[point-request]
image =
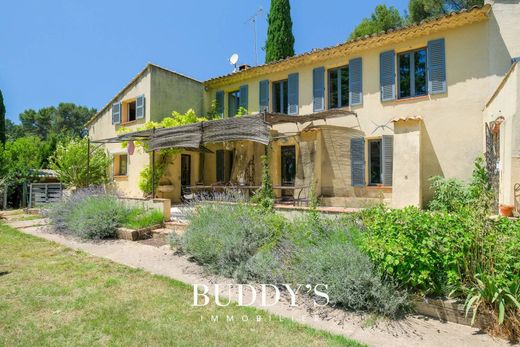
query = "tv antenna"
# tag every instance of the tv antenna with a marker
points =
(252, 19)
(233, 60)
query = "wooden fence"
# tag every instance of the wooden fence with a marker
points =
(44, 193)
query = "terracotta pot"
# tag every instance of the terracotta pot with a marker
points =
(506, 210)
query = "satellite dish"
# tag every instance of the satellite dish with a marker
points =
(233, 60)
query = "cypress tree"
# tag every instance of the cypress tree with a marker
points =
(2, 119)
(280, 39)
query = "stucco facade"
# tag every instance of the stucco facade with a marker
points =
(433, 134)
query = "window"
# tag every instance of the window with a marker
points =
(121, 165)
(280, 97)
(374, 162)
(224, 165)
(412, 74)
(131, 111)
(338, 87)
(233, 103)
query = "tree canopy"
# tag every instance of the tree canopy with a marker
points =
(385, 18)
(66, 119)
(423, 9)
(382, 19)
(280, 39)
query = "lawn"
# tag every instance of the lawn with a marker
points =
(54, 296)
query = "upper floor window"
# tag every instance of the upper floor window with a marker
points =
(412, 74)
(280, 97)
(233, 103)
(339, 87)
(131, 114)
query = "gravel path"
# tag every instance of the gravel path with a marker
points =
(412, 331)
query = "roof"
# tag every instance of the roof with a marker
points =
(132, 82)
(428, 26)
(42, 173)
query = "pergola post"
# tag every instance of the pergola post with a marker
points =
(88, 161)
(153, 169)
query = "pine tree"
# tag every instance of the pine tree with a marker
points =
(280, 39)
(2, 119)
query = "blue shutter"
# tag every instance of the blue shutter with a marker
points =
(116, 113)
(244, 97)
(264, 96)
(318, 89)
(219, 99)
(356, 81)
(388, 159)
(387, 75)
(292, 92)
(139, 107)
(357, 161)
(437, 67)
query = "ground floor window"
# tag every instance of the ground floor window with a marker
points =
(288, 165)
(280, 97)
(374, 162)
(338, 87)
(224, 165)
(121, 165)
(412, 74)
(185, 170)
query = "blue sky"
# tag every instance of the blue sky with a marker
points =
(85, 51)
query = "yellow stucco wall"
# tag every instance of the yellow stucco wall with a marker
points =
(164, 92)
(452, 122)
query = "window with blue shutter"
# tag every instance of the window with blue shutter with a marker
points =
(387, 75)
(264, 96)
(116, 113)
(244, 90)
(219, 99)
(437, 67)
(292, 91)
(139, 107)
(357, 161)
(356, 81)
(412, 73)
(318, 89)
(339, 87)
(388, 159)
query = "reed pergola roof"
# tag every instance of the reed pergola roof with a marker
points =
(255, 128)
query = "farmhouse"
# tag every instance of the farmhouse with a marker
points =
(367, 121)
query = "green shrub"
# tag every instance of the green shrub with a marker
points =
(252, 245)
(96, 217)
(93, 214)
(353, 280)
(449, 195)
(225, 237)
(70, 163)
(137, 218)
(422, 250)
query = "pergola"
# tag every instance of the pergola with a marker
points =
(194, 137)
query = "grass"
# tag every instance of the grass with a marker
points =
(139, 219)
(55, 296)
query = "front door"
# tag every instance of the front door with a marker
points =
(288, 167)
(185, 170)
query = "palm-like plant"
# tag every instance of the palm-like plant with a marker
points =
(488, 290)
